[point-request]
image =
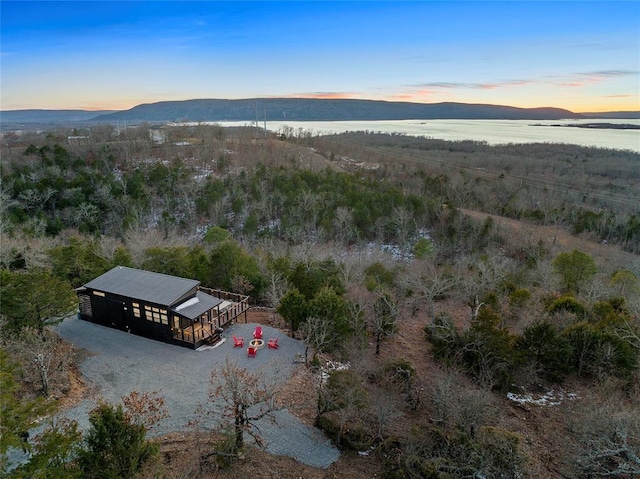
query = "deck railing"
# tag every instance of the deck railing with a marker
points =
(218, 293)
(238, 304)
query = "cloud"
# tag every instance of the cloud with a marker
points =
(447, 91)
(620, 96)
(474, 86)
(421, 95)
(574, 80)
(612, 73)
(580, 79)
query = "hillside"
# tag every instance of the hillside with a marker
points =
(285, 109)
(49, 116)
(297, 109)
(300, 109)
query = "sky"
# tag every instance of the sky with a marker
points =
(579, 55)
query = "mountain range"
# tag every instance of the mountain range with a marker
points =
(299, 109)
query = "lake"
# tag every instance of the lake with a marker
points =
(493, 132)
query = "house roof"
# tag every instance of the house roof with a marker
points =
(192, 309)
(144, 285)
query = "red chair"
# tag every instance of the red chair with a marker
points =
(251, 352)
(257, 334)
(273, 343)
(238, 342)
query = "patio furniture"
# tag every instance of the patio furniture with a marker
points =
(257, 334)
(273, 343)
(251, 352)
(238, 342)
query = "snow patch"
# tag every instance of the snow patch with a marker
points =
(331, 366)
(550, 398)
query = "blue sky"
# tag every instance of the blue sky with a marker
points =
(579, 55)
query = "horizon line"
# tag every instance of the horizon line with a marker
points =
(321, 98)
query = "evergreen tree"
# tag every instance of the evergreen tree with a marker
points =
(114, 447)
(574, 269)
(34, 298)
(17, 415)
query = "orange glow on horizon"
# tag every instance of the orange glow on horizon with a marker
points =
(330, 95)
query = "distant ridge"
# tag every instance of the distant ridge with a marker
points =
(298, 109)
(304, 109)
(619, 115)
(46, 116)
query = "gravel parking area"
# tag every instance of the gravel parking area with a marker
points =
(123, 362)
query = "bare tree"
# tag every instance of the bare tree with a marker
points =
(403, 223)
(383, 317)
(277, 286)
(356, 307)
(318, 334)
(343, 225)
(608, 435)
(246, 398)
(471, 409)
(43, 355)
(480, 276)
(596, 290)
(386, 410)
(430, 282)
(145, 408)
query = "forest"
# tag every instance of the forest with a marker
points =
(456, 279)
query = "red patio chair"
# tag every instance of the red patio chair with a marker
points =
(257, 334)
(251, 352)
(273, 343)
(238, 342)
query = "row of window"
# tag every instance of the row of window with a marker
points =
(157, 315)
(151, 313)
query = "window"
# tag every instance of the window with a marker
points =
(156, 315)
(99, 293)
(136, 312)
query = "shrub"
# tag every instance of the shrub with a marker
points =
(343, 389)
(114, 447)
(377, 275)
(443, 336)
(574, 269)
(596, 352)
(500, 453)
(487, 350)
(543, 347)
(397, 374)
(352, 436)
(224, 449)
(567, 304)
(519, 298)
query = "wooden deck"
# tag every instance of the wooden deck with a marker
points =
(199, 332)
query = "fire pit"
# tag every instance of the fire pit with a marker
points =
(256, 343)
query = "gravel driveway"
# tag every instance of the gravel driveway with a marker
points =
(124, 362)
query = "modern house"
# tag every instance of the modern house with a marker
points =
(158, 306)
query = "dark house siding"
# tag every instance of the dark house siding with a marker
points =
(125, 299)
